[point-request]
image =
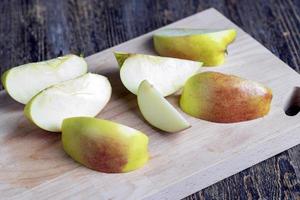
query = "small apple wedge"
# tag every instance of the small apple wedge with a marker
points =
(207, 46)
(25, 81)
(158, 111)
(83, 96)
(167, 74)
(218, 97)
(103, 145)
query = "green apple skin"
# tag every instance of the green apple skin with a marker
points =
(25, 81)
(3, 78)
(86, 95)
(167, 74)
(104, 145)
(207, 46)
(158, 111)
(121, 57)
(222, 98)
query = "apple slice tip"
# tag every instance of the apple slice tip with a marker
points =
(121, 57)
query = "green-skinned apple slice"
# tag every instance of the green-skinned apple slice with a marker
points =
(207, 46)
(25, 81)
(167, 74)
(104, 145)
(158, 111)
(83, 96)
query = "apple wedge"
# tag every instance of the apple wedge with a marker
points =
(223, 98)
(84, 96)
(25, 81)
(207, 46)
(103, 145)
(167, 74)
(158, 111)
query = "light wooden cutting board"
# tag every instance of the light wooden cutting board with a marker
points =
(34, 166)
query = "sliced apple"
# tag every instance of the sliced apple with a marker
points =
(167, 74)
(104, 145)
(218, 97)
(158, 111)
(207, 46)
(25, 81)
(84, 96)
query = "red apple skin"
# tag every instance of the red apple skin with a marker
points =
(104, 145)
(222, 98)
(104, 154)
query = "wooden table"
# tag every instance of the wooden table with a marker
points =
(36, 30)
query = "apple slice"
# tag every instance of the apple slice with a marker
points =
(158, 111)
(25, 81)
(223, 98)
(104, 145)
(167, 74)
(83, 96)
(207, 46)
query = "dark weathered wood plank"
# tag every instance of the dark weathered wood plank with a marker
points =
(33, 30)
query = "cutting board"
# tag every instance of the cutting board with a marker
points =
(34, 166)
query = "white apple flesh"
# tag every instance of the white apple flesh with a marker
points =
(84, 96)
(167, 74)
(25, 81)
(158, 111)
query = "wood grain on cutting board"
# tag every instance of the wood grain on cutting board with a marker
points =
(33, 164)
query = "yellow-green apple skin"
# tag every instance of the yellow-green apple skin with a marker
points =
(167, 74)
(104, 145)
(207, 46)
(158, 111)
(86, 95)
(121, 57)
(25, 81)
(218, 97)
